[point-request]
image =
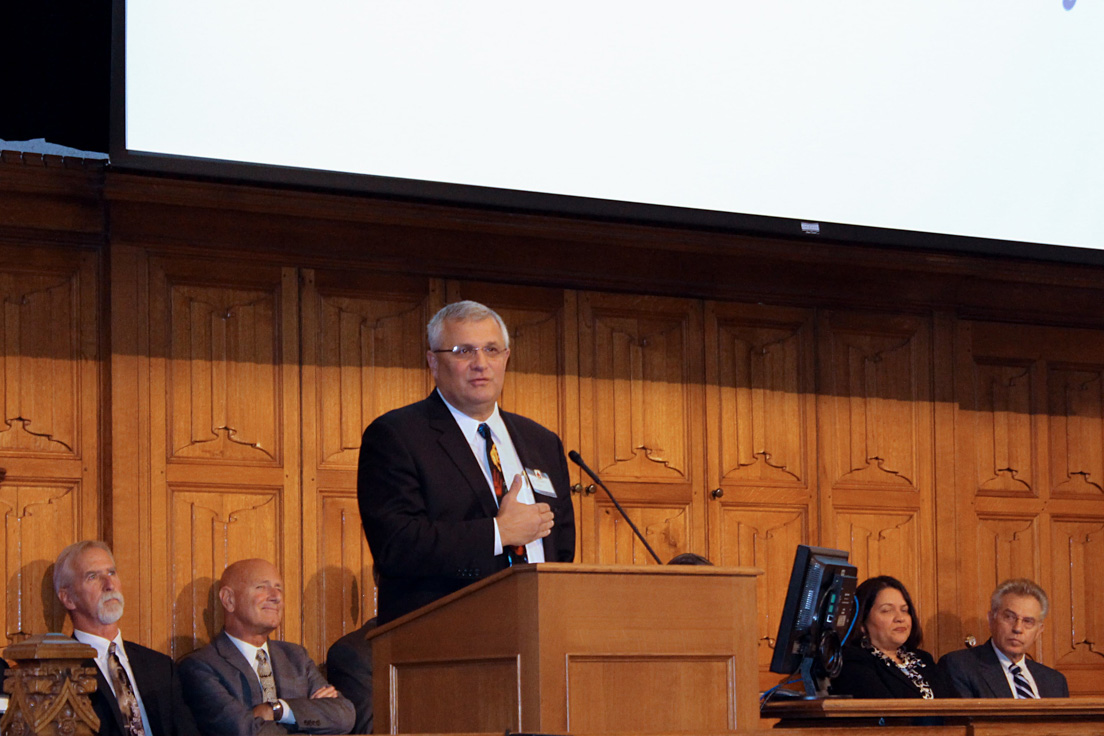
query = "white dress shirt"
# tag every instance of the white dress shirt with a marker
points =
(511, 466)
(101, 645)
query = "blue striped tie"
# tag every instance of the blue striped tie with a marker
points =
(1023, 690)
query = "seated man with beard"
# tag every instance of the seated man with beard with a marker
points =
(137, 692)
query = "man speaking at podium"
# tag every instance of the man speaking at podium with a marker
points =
(452, 489)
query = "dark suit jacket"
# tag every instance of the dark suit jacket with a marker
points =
(977, 673)
(866, 676)
(349, 669)
(222, 689)
(427, 509)
(158, 685)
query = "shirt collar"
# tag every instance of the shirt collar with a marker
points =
(100, 644)
(248, 650)
(1005, 660)
(469, 426)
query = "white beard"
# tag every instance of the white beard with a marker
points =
(109, 615)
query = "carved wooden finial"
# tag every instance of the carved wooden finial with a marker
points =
(48, 688)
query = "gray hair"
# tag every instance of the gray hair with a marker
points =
(1022, 587)
(465, 311)
(63, 566)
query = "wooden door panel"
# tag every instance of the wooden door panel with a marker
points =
(363, 353)
(875, 432)
(763, 536)
(641, 417)
(761, 448)
(668, 529)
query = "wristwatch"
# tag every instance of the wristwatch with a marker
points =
(277, 710)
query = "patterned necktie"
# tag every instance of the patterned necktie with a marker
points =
(124, 694)
(498, 480)
(1023, 690)
(264, 673)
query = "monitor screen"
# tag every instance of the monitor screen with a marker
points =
(816, 617)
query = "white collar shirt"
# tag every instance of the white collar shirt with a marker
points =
(1006, 662)
(511, 466)
(101, 645)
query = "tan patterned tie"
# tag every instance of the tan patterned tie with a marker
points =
(124, 694)
(498, 478)
(264, 672)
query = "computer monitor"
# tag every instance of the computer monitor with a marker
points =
(820, 606)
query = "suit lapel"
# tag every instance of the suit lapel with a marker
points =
(452, 441)
(992, 673)
(281, 670)
(230, 653)
(1042, 679)
(901, 677)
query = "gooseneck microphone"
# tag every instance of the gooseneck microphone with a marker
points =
(575, 458)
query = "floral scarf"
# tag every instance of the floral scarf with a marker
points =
(910, 665)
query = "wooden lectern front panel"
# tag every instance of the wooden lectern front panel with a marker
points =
(474, 696)
(609, 693)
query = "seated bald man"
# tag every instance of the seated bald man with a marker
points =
(245, 683)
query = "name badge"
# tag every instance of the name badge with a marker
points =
(541, 483)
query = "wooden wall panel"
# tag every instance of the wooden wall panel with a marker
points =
(641, 414)
(875, 432)
(221, 369)
(50, 443)
(38, 521)
(245, 360)
(363, 354)
(1032, 506)
(1075, 400)
(210, 527)
(341, 586)
(1076, 597)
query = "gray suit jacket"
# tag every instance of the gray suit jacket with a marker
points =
(977, 673)
(221, 688)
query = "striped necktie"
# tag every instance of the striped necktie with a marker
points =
(498, 481)
(1023, 690)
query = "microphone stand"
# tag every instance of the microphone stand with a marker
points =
(575, 458)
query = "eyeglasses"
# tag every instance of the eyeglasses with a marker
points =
(468, 352)
(1012, 619)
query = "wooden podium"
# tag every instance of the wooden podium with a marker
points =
(559, 648)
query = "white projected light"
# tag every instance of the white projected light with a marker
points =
(978, 119)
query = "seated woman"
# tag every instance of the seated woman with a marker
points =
(882, 658)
